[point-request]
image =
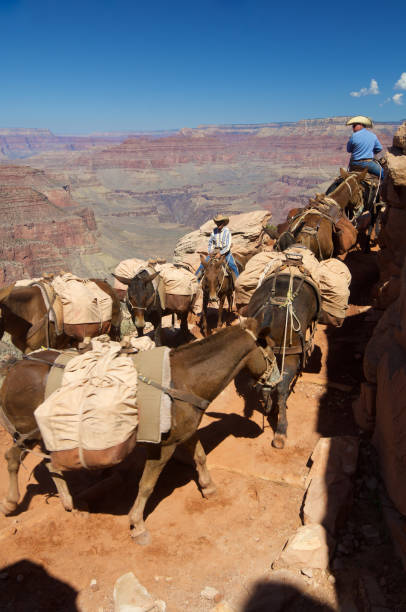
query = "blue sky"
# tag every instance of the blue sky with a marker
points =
(84, 66)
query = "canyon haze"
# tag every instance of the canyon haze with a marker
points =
(86, 202)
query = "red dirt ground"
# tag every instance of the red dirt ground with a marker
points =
(228, 542)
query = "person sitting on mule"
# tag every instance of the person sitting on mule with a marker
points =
(220, 245)
(363, 145)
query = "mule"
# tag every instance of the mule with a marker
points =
(203, 368)
(217, 285)
(144, 304)
(288, 307)
(24, 315)
(315, 226)
(366, 213)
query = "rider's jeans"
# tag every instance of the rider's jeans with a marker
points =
(373, 166)
(230, 262)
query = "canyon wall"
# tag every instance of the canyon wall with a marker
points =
(148, 190)
(42, 228)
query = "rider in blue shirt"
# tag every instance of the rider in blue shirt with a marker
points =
(363, 145)
(220, 241)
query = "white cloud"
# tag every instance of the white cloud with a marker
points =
(401, 83)
(398, 99)
(386, 101)
(372, 90)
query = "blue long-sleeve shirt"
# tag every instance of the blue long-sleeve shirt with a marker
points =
(363, 145)
(220, 239)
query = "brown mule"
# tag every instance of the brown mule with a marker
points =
(23, 314)
(217, 285)
(203, 368)
(323, 226)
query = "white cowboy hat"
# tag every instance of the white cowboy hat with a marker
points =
(219, 218)
(366, 121)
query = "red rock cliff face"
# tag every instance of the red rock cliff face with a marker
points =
(39, 232)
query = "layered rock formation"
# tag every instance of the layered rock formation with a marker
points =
(42, 227)
(148, 191)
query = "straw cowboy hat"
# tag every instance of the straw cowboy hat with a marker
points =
(366, 121)
(219, 218)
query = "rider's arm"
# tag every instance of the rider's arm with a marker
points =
(377, 146)
(349, 145)
(225, 241)
(212, 242)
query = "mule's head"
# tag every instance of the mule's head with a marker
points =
(213, 276)
(354, 182)
(140, 295)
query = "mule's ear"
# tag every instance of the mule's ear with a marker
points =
(151, 277)
(121, 279)
(203, 260)
(343, 173)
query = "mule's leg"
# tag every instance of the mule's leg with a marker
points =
(282, 423)
(158, 334)
(61, 487)
(194, 446)
(150, 475)
(220, 311)
(13, 458)
(203, 320)
(183, 325)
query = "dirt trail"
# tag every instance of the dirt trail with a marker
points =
(228, 542)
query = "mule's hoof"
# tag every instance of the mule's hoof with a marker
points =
(209, 491)
(279, 441)
(143, 538)
(7, 507)
(67, 504)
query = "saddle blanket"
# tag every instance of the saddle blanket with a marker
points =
(94, 404)
(332, 277)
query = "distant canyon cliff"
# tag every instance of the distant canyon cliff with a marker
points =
(86, 202)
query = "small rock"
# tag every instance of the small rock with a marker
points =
(168, 579)
(209, 593)
(331, 579)
(310, 546)
(93, 584)
(20, 578)
(307, 571)
(131, 596)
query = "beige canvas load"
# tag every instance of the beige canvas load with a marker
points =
(128, 268)
(334, 286)
(177, 280)
(82, 300)
(332, 277)
(264, 264)
(95, 408)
